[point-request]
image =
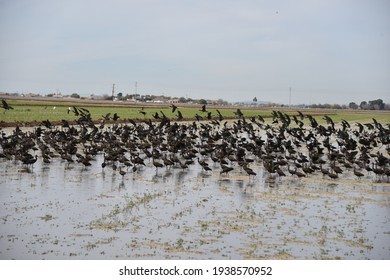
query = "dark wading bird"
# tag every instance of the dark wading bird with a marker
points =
(174, 107)
(115, 117)
(225, 169)
(220, 117)
(142, 111)
(249, 170)
(238, 113)
(333, 150)
(5, 105)
(179, 116)
(157, 164)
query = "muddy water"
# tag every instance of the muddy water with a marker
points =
(62, 211)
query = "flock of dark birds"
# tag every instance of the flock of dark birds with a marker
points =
(288, 145)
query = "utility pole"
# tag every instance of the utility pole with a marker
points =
(289, 99)
(113, 90)
(136, 88)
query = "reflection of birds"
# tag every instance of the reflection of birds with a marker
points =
(5, 105)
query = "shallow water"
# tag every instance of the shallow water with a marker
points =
(62, 211)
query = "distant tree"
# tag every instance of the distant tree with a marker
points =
(353, 105)
(182, 100)
(222, 102)
(255, 99)
(202, 101)
(364, 105)
(336, 106)
(119, 95)
(376, 104)
(75, 95)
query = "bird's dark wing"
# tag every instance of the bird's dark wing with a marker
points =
(5, 105)
(179, 115)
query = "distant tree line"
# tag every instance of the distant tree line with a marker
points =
(327, 106)
(377, 104)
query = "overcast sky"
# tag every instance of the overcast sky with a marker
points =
(330, 51)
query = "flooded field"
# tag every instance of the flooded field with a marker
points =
(63, 211)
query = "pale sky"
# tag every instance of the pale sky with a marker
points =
(330, 51)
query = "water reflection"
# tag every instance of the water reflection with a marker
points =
(307, 218)
(271, 180)
(180, 177)
(240, 184)
(157, 177)
(121, 185)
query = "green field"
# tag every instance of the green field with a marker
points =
(25, 112)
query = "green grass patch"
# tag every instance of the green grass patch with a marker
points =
(28, 111)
